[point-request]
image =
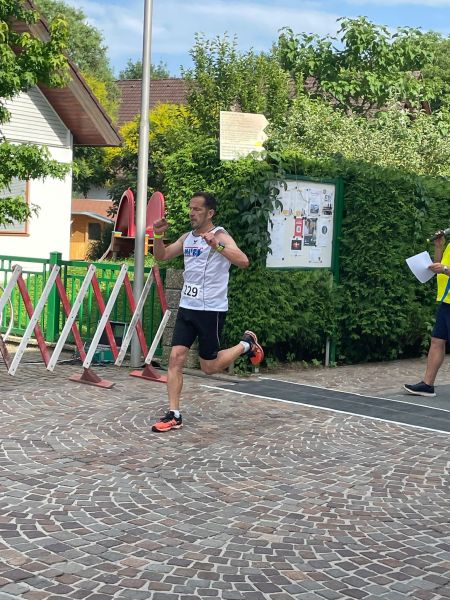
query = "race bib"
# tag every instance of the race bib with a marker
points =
(191, 290)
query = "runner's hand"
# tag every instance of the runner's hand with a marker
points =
(210, 239)
(160, 226)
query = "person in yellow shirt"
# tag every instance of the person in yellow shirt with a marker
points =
(441, 330)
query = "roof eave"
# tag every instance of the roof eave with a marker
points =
(93, 216)
(75, 104)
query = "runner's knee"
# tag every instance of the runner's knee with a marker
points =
(438, 343)
(178, 357)
(208, 366)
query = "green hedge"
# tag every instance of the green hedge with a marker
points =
(378, 310)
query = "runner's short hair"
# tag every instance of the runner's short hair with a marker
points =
(210, 200)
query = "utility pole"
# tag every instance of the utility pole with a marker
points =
(141, 201)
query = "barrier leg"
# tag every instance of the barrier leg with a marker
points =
(4, 299)
(135, 323)
(33, 325)
(88, 377)
(4, 352)
(71, 314)
(148, 371)
(104, 321)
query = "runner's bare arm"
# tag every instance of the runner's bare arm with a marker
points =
(231, 251)
(161, 252)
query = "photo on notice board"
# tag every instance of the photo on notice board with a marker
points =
(310, 232)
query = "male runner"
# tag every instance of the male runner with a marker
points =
(208, 252)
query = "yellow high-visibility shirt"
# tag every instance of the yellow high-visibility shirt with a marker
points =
(444, 280)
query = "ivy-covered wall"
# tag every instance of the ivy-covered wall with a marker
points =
(378, 310)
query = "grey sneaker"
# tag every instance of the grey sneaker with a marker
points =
(420, 389)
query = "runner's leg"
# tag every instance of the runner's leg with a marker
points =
(177, 361)
(224, 359)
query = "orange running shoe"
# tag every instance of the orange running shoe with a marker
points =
(256, 353)
(168, 422)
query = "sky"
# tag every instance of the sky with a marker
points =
(255, 22)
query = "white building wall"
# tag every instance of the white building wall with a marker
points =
(49, 229)
(34, 120)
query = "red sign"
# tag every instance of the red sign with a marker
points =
(298, 227)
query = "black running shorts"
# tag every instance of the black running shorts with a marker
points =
(207, 325)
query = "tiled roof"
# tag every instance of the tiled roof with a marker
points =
(85, 205)
(162, 91)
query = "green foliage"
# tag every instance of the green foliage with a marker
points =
(225, 79)
(381, 311)
(26, 61)
(98, 248)
(438, 71)
(89, 169)
(85, 44)
(106, 92)
(391, 139)
(292, 311)
(394, 169)
(377, 311)
(24, 162)
(171, 125)
(365, 68)
(133, 70)
(87, 50)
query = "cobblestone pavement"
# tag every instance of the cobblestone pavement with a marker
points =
(252, 499)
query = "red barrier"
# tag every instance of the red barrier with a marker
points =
(148, 372)
(88, 376)
(37, 328)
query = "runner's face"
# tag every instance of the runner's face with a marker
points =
(199, 214)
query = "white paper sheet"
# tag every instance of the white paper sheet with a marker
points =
(419, 266)
(315, 255)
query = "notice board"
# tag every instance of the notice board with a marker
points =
(303, 230)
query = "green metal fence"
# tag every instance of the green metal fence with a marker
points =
(35, 272)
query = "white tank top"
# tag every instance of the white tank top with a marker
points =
(206, 274)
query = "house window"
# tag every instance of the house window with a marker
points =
(94, 231)
(17, 188)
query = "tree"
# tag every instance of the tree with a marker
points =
(439, 71)
(133, 70)
(25, 62)
(85, 45)
(365, 68)
(170, 126)
(316, 130)
(223, 78)
(87, 50)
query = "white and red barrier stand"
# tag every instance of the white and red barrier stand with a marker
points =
(88, 376)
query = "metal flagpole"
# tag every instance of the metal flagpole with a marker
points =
(141, 201)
